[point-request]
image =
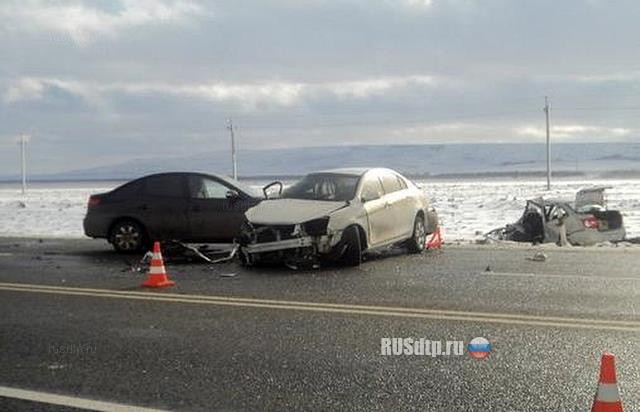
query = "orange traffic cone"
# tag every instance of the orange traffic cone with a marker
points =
(436, 240)
(607, 397)
(157, 276)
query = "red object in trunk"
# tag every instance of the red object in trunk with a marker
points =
(590, 222)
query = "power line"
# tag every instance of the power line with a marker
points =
(379, 121)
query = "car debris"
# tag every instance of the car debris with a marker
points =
(584, 221)
(538, 257)
(174, 250)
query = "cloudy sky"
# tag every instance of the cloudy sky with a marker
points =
(99, 82)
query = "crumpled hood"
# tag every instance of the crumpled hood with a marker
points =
(290, 211)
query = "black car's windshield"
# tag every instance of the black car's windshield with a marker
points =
(324, 186)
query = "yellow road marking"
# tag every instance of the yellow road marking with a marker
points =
(434, 314)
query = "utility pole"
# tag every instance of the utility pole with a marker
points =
(23, 155)
(546, 113)
(233, 150)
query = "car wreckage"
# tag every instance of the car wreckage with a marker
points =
(584, 221)
(337, 215)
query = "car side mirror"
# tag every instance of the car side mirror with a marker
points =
(232, 195)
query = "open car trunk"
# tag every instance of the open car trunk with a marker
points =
(591, 198)
(608, 219)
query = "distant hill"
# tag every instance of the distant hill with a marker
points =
(415, 160)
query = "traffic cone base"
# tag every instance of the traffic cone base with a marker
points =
(157, 276)
(607, 398)
(436, 240)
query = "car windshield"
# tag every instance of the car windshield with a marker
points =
(324, 186)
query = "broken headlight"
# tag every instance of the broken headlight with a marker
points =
(316, 227)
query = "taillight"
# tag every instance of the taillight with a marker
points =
(590, 222)
(93, 201)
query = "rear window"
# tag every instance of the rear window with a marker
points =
(127, 191)
(164, 186)
(391, 183)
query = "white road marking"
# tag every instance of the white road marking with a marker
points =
(548, 275)
(435, 314)
(4, 254)
(70, 401)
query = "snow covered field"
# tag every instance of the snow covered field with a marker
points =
(466, 208)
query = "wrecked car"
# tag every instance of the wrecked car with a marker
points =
(338, 215)
(584, 221)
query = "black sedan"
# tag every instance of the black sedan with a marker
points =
(190, 207)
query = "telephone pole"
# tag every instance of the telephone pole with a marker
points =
(546, 113)
(233, 150)
(23, 155)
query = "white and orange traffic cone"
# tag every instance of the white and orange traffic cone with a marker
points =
(607, 397)
(436, 240)
(157, 276)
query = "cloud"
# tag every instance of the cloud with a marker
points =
(25, 89)
(81, 22)
(573, 131)
(369, 87)
(248, 95)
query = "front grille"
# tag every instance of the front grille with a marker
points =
(273, 233)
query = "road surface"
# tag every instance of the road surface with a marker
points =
(76, 328)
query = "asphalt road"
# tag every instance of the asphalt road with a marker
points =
(76, 323)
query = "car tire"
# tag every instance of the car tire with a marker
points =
(128, 236)
(416, 243)
(352, 244)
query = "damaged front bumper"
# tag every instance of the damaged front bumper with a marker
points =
(285, 243)
(279, 245)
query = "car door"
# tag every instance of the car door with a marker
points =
(379, 214)
(163, 206)
(216, 209)
(402, 210)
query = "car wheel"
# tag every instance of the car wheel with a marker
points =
(416, 243)
(128, 236)
(352, 254)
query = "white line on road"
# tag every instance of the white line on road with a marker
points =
(70, 401)
(548, 275)
(434, 314)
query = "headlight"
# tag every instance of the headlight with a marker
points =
(316, 227)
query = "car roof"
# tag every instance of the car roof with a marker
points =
(229, 180)
(354, 171)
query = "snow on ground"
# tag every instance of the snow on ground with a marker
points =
(467, 209)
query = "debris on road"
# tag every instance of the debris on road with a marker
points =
(228, 275)
(538, 257)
